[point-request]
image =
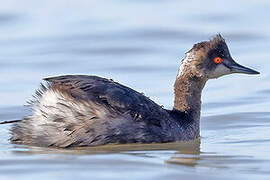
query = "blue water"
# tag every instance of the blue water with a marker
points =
(139, 44)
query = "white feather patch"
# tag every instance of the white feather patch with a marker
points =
(186, 62)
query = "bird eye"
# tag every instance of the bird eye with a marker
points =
(217, 60)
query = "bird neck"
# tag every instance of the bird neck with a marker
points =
(187, 90)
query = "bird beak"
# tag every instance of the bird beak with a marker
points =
(237, 68)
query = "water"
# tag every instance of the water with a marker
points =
(140, 44)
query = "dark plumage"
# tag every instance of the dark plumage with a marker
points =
(80, 110)
(115, 114)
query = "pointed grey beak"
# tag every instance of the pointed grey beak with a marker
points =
(237, 68)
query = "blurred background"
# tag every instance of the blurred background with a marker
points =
(140, 44)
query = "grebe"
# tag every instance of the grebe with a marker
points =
(80, 110)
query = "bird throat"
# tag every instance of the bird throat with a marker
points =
(187, 90)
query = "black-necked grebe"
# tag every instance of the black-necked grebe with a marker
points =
(80, 110)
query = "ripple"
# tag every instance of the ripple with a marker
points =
(215, 18)
(165, 34)
(236, 120)
(244, 36)
(9, 18)
(137, 69)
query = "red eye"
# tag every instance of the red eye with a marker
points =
(218, 60)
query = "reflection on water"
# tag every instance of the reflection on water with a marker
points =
(139, 44)
(184, 147)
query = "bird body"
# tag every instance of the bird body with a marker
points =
(81, 110)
